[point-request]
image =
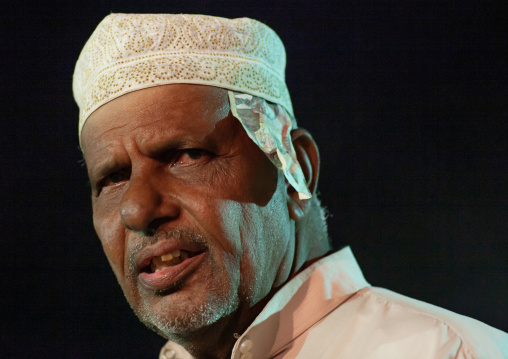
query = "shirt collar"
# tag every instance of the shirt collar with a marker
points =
(302, 302)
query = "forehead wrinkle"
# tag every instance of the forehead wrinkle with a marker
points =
(94, 159)
(156, 135)
(140, 109)
(144, 120)
(105, 164)
(152, 138)
(119, 135)
(100, 154)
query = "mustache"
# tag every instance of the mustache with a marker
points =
(188, 236)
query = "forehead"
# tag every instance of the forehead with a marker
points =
(177, 110)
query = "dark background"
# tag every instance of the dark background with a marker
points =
(408, 101)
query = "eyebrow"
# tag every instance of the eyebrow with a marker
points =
(103, 167)
(157, 144)
(161, 146)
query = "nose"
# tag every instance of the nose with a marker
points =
(144, 206)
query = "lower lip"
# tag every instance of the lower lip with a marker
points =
(166, 277)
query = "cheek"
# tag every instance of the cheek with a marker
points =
(111, 234)
(230, 218)
(268, 246)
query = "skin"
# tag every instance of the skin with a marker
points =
(150, 185)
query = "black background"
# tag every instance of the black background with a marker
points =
(407, 100)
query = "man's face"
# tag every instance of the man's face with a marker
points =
(174, 174)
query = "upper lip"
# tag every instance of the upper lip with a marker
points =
(163, 246)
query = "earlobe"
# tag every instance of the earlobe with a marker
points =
(307, 154)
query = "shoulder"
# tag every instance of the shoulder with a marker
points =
(376, 323)
(391, 323)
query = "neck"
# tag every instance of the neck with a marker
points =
(308, 253)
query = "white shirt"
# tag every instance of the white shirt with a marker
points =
(329, 311)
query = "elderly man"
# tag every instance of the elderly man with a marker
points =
(204, 199)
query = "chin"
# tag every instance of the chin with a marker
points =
(181, 317)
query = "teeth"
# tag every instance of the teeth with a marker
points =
(169, 256)
(167, 260)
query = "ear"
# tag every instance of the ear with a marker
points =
(307, 154)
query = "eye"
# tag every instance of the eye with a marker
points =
(116, 177)
(112, 179)
(189, 156)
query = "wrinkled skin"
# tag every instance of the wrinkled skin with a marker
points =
(227, 197)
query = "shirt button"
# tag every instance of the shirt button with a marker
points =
(245, 348)
(169, 354)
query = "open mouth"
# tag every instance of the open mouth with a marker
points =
(168, 260)
(165, 265)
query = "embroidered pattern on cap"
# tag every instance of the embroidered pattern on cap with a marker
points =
(128, 52)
